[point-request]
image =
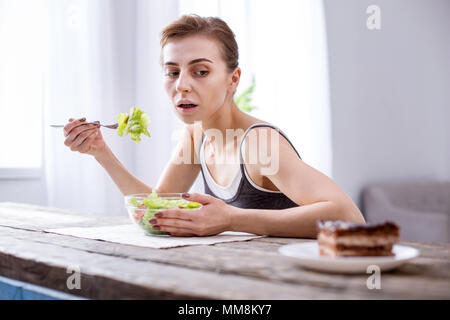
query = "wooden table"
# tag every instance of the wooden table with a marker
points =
(239, 270)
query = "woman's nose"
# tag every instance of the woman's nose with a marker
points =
(183, 84)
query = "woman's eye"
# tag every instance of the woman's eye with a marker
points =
(172, 74)
(202, 73)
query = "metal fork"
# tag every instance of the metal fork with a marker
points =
(109, 126)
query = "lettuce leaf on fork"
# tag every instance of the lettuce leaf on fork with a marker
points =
(135, 124)
(122, 120)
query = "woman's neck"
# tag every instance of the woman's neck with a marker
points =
(229, 116)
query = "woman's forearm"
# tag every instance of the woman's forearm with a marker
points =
(296, 222)
(125, 181)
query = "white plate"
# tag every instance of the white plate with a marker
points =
(307, 254)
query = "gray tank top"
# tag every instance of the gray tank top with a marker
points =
(242, 192)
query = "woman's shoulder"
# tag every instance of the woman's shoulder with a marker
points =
(262, 129)
(265, 137)
(262, 126)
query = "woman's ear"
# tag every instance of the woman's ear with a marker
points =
(235, 78)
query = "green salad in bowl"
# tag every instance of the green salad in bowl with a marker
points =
(142, 207)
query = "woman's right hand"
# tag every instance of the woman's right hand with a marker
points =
(84, 138)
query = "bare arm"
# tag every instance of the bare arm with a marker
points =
(318, 197)
(124, 180)
(88, 139)
(183, 168)
(296, 222)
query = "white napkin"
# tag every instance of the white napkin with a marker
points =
(132, 235)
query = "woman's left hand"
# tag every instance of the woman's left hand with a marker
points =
(212, 218)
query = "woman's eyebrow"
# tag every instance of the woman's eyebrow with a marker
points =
(169, 63)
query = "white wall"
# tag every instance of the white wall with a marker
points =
(390, 101)
(26, 190)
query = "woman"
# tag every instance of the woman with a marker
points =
(277, 195)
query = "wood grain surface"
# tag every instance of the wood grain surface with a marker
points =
(239, 270)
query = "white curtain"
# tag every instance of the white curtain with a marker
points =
(289, 57)
(103, 59)
(283, 44)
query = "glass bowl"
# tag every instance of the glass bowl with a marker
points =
(142, 207)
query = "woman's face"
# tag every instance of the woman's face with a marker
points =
(196, 77)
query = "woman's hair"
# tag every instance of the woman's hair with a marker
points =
(214, 28)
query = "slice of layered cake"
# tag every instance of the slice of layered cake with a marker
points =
(341, 238)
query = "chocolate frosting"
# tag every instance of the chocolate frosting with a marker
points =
(338, 225)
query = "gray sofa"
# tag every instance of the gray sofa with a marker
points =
(421, 209)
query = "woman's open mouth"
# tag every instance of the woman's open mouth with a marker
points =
(187, 107)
